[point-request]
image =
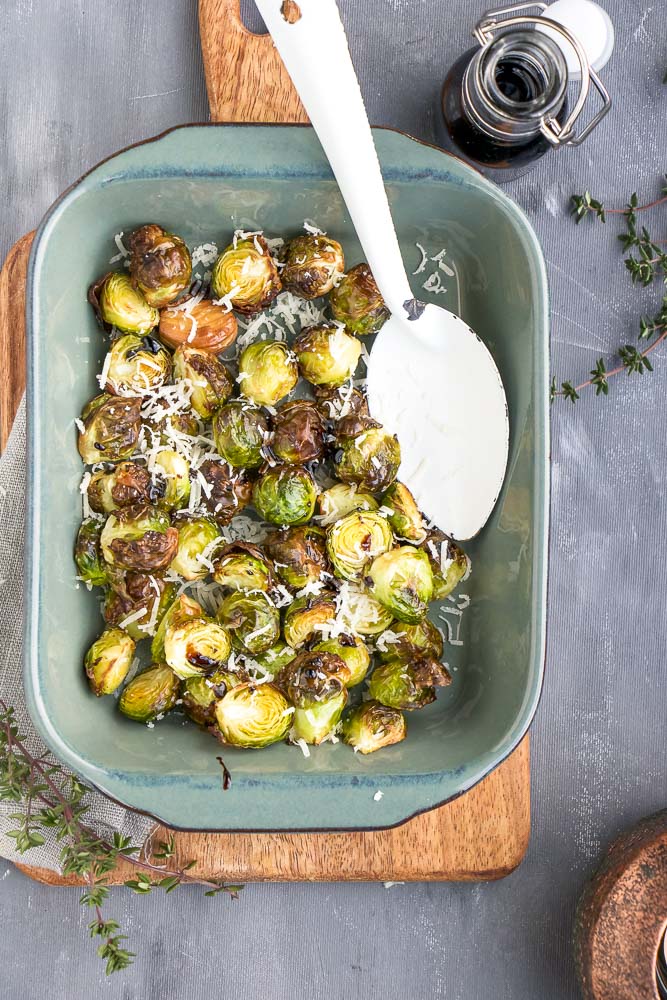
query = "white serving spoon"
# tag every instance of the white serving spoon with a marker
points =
(431, 380)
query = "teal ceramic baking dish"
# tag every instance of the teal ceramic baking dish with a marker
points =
(202, 182)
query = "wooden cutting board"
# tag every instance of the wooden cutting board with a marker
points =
(481, 835)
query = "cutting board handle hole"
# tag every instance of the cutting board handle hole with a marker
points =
(251, 18)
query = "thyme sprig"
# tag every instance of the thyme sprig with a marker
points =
(646, 262)
(51, 799)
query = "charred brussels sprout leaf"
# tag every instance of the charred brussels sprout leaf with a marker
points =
(298, 433)
(200, 694)
(152, 693)
(403, 513)
(242, 566)
(195, 646)
(136, 365)
(406, 686)
(371, 726)
(119, 304)
(252, 620)
(313, 265)
(371, 459)
(210, 380)
(352, 651)
(136, 592)
(409, 642)
(285, 495)
(173, 474)
(402, 581)
(246, 276)
(355, 540)
(125, 484)
(178, 610)
(356, 302)
(240, 431)
(327, 355)
(342, 499)
(228, 491)
(160, 264)
(267, 372)
(298, 555)
(139, 538)
(449, 563)
(197, 538)
(108, 661)
(111, 428)
(88, 554)
(203, 325)
(306, 617)
(315, 684)
(253, 715)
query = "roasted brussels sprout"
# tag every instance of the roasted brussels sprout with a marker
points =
(172, 471)
(371, 459)
(253, 716)
(313, 265)
(133, 596)
(298, 555)
(240, 431)
(197, 538)
(119, 304)
(267, 372)
(150, 694)
(211, 382)
(274, 659)
(403, 513)
(315, 684)
(342, 499)
(402, 581)
(177, 611)
(245, 275)
(160, 264)
(356, 302)
(172, 427)
(201, 693)
(360, 613)
(305, 618)
(352, 651)
(252, 620)
(203, 325)
(356, 539)
(298, 433)
(88, 554)
(111, 428)
(108, 661)
(337, 402)
(406, 686)
(408, 642)
(195, 646)
(227, 492)
(327, 355)
(136, 365)
(371, 726)
(139, 538)
(123, 485)
(241, 566)
(285, 495)
(449, 563)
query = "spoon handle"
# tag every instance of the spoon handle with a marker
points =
(315, 52)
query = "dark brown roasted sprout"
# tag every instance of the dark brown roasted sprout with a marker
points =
(134, 594)
(371, 726)
(253, 716)
(449, 563)
(402, 581)
(119, 305)
(139, 538)
(336, 402)
(285, 495)
(299, 555)
(315, 684)
(371, 459)
(252, 619)
(313, 265)
(327, 355)
(211, 382)
(267, 372)
(121, 486)
(203, 325)
(306, 617)
(241, 566)
(352, 651)
(356, 302)
(408, 685)
(228, 490)
(111, 428)
(408, 642)
(200, 694)
(88, 554)
(160, 264)
(150, 694)
(245, 275)
(403, 513)
(240, 431)
(136, 365)
(298, 433)
(108, 661)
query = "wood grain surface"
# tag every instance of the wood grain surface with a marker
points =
(481, 835)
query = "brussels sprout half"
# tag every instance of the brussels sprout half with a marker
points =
(327, 355)
(172, 472)
(111, 428)
(306, 617)
(88, 554)
(356, 301)
(108, 661)
(211, 382)
(197, 539)
(242, 566)
(136, 365)
(245, 275)
(407, 685)
(352, 651)
(200, 694)
(119, 304)
(285, 495)
(253, 621)
(240, 431)
(204, 325)
(160, 264)
(341, 499)
(313, 265)
(402, 581)
(267, 372)
(403, 513)
(130, 593)
(253, 715)
(298, 555)
(449, 563)
(298, 433)
(315, 684)
(139, 538)
(407, 642)
(355, 540)
(196, 646)
(371, 459)
(227, 491)
(151, 693)
(360, 613)
(371, 726)
(180, 609)
(123, 485)
(273, 660)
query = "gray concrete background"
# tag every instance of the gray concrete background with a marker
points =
(80, 78)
